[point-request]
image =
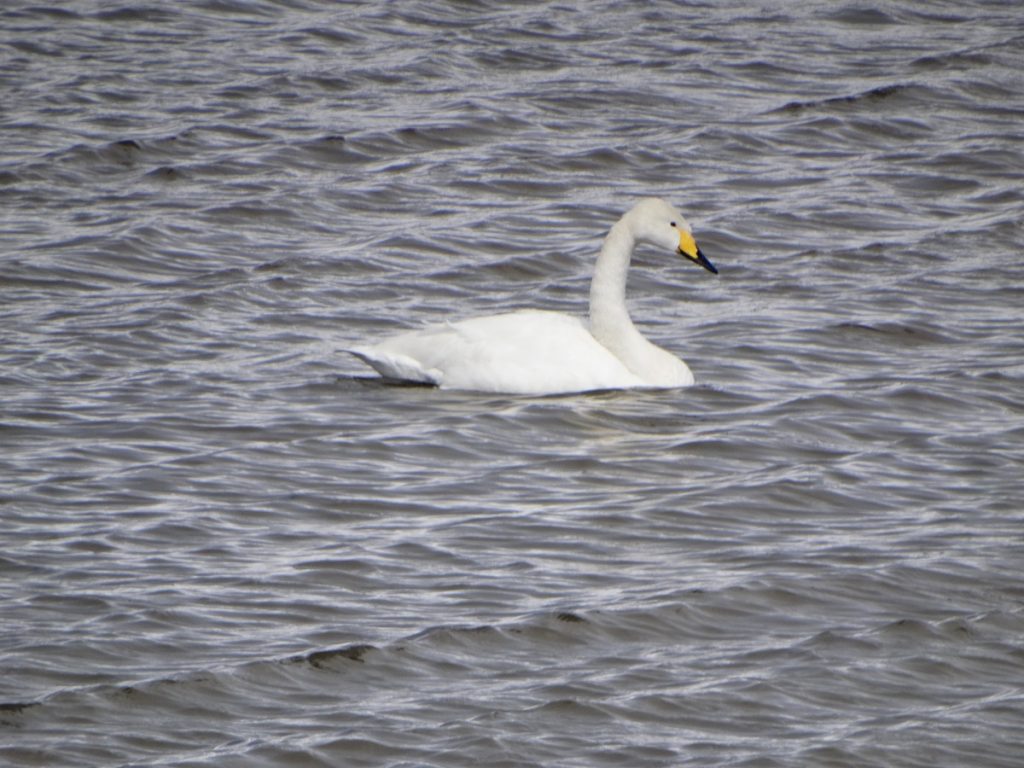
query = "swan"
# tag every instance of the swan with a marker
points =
(533, 352)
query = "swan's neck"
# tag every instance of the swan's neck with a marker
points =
(611, 325)
(609, 318)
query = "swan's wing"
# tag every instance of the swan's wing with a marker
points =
(533, 352)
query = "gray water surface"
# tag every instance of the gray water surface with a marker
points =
(224, 542)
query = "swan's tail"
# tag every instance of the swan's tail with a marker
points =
(396, 367)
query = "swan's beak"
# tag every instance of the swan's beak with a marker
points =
(688, 248)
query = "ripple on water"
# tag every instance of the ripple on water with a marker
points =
(229, 544)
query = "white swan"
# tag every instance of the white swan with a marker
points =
(532, 352)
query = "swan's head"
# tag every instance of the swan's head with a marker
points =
(656, 222)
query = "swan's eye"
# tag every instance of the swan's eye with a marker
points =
(673, 223)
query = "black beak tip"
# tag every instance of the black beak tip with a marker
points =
(702, 260)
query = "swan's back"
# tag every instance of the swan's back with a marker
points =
(529, 352)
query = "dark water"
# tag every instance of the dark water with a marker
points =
(222, 543)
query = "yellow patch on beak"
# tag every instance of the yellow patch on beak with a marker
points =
(687, 245)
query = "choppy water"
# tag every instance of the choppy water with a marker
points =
(225, 544)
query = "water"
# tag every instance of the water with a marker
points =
(224, 543)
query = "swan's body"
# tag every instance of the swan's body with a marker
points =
(538, 353)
